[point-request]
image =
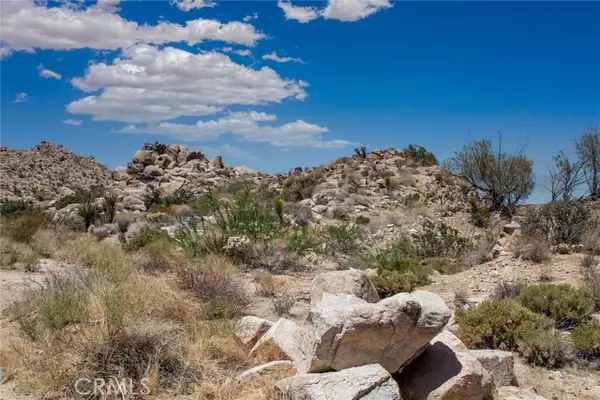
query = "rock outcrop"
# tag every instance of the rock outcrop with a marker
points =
(250, 329)
(351, 281)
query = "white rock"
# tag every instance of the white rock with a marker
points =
(319, 209)
(445, 371)
(153, 170)
(511, 228)
(369, 382)
(350, 332)
(352, 281)
(279, 369)
(250, 328)
(500, 365)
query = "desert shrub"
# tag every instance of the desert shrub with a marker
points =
(180, 196)
(586, 340)
(360, 153)
(441, 241)
(151, 197)
(480, 251)
(345, 238)
(503, 179)
(109, 206)
(480, 215)
(298, 187)
(397, 274)
(14, 254)
(494, 324)
(300, 214)
(508, 290)
(160, 255)
(532, 248)
(411, 200)
(541, 347)
(145, 236)
(266, 285)
(21, 228)
(566, 305)
(10, 208)
(278, 207)
(461, 298)
(88, 212)
(420, 155)
(558, 221)
(591, 278)
(283, 304)
(60, 301)
(302, 241)
(213, 281)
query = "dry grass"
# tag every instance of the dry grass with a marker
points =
(532, 249)
(283, 303)
(591, 277)
(266, 285)
(15, 255)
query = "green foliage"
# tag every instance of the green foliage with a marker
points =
(441, 241)
(151, 197)
(302, 242)
(22, 227)
(586, 340)
(345, 238)
(480, 215)
(12, 208)
(505, 179)
(563, 303)
(88, 212)
(420, 155)
(558, 221)
(495, 324)
(81, 195)
(298, 187)
(145, 236)
(400, 275)
(541, 347)
(110, 206)
(360, 153)
(180, 196)
(278, 205)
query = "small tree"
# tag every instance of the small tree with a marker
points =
(505, 179)
(588, 150)
(360, 152)
(565, 177)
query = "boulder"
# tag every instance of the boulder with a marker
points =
(163, 161)
(153, 170)
(368, 382)
(168, 188)
(511, 228)
(249, 329)
(351, 332)
(143, 156)
(445, 371)
(352, 281)
(285, 340)
(278, 369)
(133, 203)
(319, 208)
(515, 393)
(217, 162)
(500, 365)
(562, 248)
(120, 174)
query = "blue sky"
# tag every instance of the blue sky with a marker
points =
(104, 78)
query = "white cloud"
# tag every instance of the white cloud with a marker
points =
(27, 25)
(353, 10)
(108, 5)
(239, 52)
(74, 122)
(150, 85)
(341, 10)
(228, 152)
(245, 125)
(188, 5)
(21, 98)
(47, 74)
(249, 18)
(274, 57)
(300, 14)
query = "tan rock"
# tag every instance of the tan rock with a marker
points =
(217, 162)
(352, 281)
(562, 248)
(250, 328)
(279, 369)
(445, 371)
(515, 393)
(500, 365)
(368, 382)
(350, 332)
(143, 156)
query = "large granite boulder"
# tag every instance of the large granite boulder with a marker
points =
(352, 281)
(250, 329)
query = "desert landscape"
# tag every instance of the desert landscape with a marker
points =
(381, 275)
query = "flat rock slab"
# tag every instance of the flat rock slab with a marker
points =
(500, 365)
(369, 382)
(250, 329)
(352, 281)
(350, 332)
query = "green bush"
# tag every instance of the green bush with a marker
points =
(88, 212)
(302, 242)
(22, 227)
(494, 324)
(345, 238)
(558, 221)
(586, 340)
(360, 153)
(151, 197)
(441, 241)
(298, 187)
(420, 155)
(145, 236)
(9, 208)
(400, 275)
(565, 304)
(541, 347)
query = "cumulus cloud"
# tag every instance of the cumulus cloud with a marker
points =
(188, 5)
(148, 84)
(246, 126)
(27, 25)
(353, 10)
(341, 10)
(21, 98)
(47, 74)
(251, 17)
(108, 5)
(300, 14)
(274, 57)
(239, 52)
(229, 152)
(73, 122)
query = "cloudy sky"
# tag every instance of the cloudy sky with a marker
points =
(278, 84)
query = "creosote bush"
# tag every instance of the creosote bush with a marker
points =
(558, 221)
(586, 340)
(542, 347)
(564, 304)
(532, 248)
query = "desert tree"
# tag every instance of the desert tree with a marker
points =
(504, 179)
(566, 176)
(588, 151)
(360, 152)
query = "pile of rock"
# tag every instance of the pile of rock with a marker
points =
(355, 346)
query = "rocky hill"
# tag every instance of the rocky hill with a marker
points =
(46, 171)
